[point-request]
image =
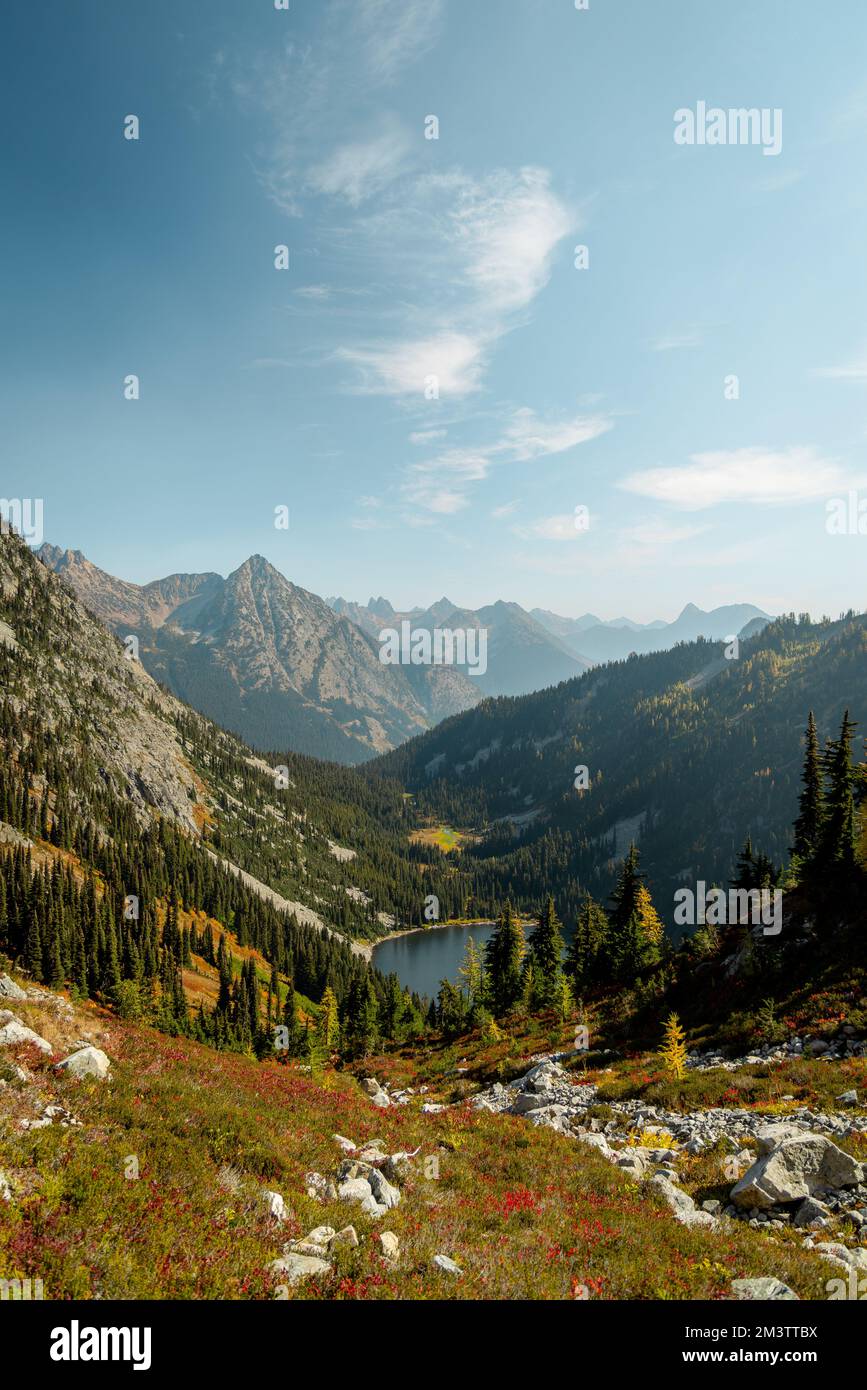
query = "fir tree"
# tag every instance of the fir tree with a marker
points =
(503, 955)
(545, 947)
(808, 826)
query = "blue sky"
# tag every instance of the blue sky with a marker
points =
(410, 258)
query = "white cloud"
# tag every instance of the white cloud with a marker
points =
(508, 509)
(660, 533)
(473, 254)
(855, 371)
(528, 437)
(673, 341)
(753, 475)
(394, 33)
(426, 436)
(524, 438)
(405, 368)
(551, 528)
(361, 169)
(508, 226)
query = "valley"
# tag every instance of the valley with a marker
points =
(222, 964)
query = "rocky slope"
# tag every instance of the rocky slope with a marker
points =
(267, 659)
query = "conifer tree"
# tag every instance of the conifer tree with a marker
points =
(837, 848)
(586, 955)
(503, 955)
(33, 948)
(808, 826)
(545, 947)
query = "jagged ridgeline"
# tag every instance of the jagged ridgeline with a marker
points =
(134, 835)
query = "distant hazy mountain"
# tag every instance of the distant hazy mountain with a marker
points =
(269, 660)
(597, 641)
(523, 654)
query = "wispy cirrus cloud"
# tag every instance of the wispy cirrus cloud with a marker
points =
(442, 483)
(852, 371)
(672, 342)
(752, 475)
(362, 169)
(560, 527)
(474, 254)
(395, 33)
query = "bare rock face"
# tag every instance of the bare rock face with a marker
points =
(793, 1169)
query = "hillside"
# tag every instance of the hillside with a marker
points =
(687, 753)
(189, 1174)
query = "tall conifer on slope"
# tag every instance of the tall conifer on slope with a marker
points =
(837, 846)
(585, 957)
(808, 826)
(545, 947)
(636, 933)
(503, 955)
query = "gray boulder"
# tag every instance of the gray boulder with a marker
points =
(354, 1190)
(9, 989)
(811, 1215)
(447, 1266)
(89, 1061)
(682, 1206)
(793, 1170)
(293, 1268)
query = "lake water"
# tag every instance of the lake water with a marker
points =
(422, 959)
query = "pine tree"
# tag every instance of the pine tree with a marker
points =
(635, 931)
(33, 948)
(808, 826)
(837, 848)
(503, 955)
(545, 946)
(586, 956)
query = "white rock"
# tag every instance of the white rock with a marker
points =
(15, 1033)
(9, 989)
(681, 1204)
(345, 1144)
(447, 1266)
(293, 1268)
(354, 1190)
(89, 1061)
(793, 1170)
(347, 1239)
(390, 1246)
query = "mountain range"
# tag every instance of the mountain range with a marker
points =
(285, 669)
